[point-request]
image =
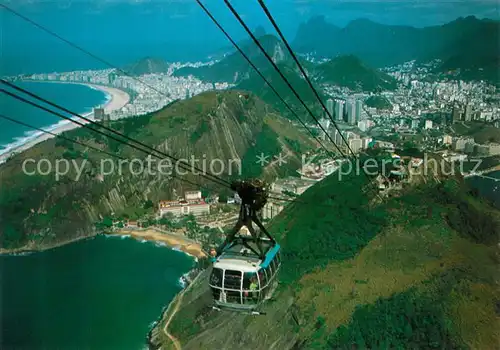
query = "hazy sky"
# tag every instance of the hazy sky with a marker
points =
(123, 30)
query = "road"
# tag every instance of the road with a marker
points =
(174, 340)
(480, 173)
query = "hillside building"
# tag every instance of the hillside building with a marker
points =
(459, 143)
(192, 203)
(291, 184)
(279, 189)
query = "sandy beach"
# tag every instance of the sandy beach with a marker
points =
(175, 241)
(118, 99)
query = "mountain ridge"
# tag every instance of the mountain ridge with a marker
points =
(383, 45)
(146, 65)
(349, 71)
(234, 68)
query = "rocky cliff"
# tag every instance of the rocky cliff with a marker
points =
(40, 210)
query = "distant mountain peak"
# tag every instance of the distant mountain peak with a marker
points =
(351, 72)
(362, 21)
(147, 65)
(259, 31)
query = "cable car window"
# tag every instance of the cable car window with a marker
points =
(269, 274)
(271, 267)
(274, 263)
(232, 279)
(216, 277)
(263, 278)
(247, 279)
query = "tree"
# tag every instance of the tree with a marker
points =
(148, 204)
(11, 236)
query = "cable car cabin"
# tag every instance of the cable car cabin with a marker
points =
(242, 281)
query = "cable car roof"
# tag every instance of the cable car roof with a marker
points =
(238, 264)
(270, 255)
(238, 257)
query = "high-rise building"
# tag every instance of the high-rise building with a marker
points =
(459, 143)
(105, 119)
(329, 107)
(351, 111)
(359, 108)
(470, 147)
(444, 119)
(355, 144)
(111, 78)
(337, 137)
(339, 110)
(325, 123)
(468, 113)
(456, 114)
(99, 113)
(414, 123)
(428, 124)
(362, 125)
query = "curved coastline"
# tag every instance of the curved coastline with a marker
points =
(175, 242)
(116, 99)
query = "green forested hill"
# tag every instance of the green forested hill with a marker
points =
(418, 271)
(456, 44)
(349, 71)
(148, 65)
(257, 85)
(39, 211)
(379, 102)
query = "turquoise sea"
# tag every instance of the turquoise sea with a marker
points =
(78, 98)
(102, 293)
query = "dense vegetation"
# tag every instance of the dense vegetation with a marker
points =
(350, 72)
(405, 320)
(407, 273)
(481, 132)
(337, 228)
(266, 144)
(379, 102)
(255, 84)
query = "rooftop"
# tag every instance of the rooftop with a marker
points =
(293, 181)
(181, 203)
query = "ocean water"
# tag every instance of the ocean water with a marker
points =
(103, 293)
(77, 98)
(488, 188)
